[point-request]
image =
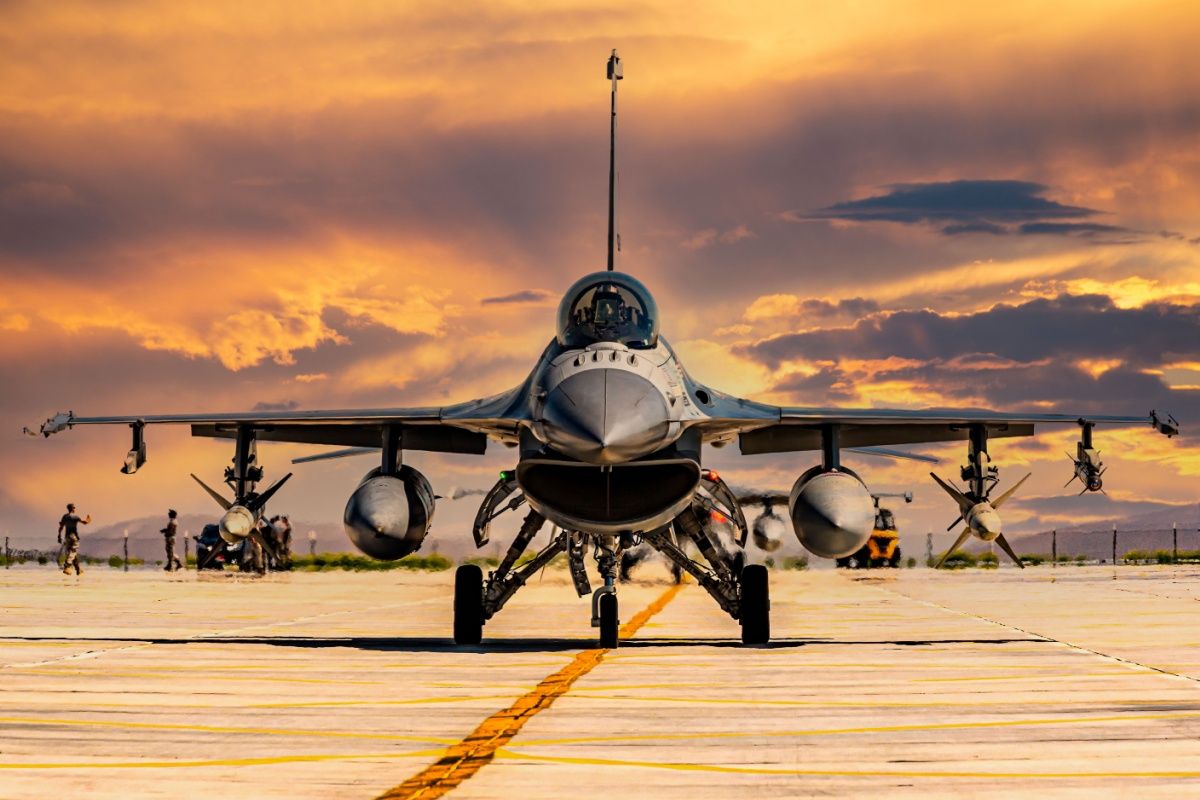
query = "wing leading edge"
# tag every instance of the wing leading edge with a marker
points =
(460, 428)
(800, 429)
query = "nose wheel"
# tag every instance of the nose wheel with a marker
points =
(755, 612)
(468, 604)
(609, 621)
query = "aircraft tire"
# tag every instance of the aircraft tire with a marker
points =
(468, 604)
(609, 621)
(756, 605)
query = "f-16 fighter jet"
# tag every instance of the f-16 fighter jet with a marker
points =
(608, 435)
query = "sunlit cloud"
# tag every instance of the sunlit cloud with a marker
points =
(218, 206)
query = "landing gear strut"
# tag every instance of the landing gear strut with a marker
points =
(742, 591)
(609, 550)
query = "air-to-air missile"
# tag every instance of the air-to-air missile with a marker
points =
(981, 518)
(1088, 466)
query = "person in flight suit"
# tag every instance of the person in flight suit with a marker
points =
(68, 535)
(169, 533)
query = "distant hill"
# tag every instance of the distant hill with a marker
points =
(1149, 531)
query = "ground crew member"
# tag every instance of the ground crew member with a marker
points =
(169, 540)
(281, 527)
(68, 535)
(285, 543)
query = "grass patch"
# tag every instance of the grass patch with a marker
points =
(485, 562)
(350, 562)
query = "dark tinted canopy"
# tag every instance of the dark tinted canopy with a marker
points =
(608, 307)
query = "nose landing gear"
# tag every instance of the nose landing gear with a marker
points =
(742, 591)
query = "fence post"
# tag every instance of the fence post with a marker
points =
(7, 554)
(928, 548)
(312, 543)
(127, 550)
(1114, 554)
(1054, 547)
(1174, 541)
(186, 535)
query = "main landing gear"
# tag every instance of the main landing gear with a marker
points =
(742, 591)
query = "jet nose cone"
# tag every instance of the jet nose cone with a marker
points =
(606, 416)
(985, 522)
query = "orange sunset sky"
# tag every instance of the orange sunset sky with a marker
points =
(378, 204)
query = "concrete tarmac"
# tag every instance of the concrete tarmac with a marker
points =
(1071, 682)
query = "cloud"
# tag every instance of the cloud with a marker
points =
(523, 296)
(993, 207)
(283, 405)
(967, 206)
(1088, 326)
(790, 305)
(198, 209)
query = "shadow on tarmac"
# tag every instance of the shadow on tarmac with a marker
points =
(432, 645)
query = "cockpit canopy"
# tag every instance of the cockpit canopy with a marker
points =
(608, 307)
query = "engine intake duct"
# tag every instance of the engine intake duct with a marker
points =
(637, 495)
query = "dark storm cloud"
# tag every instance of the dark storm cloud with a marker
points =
(961, 202)
(1024, 357)
(851, 306)
(996, 207)
(523, 296)
(1083, 326)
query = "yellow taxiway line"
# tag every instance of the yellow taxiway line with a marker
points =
(463, 760)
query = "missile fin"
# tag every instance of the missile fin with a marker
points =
(213, 493)
(1004, 545)
(963, 501)
(1000, 500)
(962, 537)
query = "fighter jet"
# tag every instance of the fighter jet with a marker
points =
(608, 434)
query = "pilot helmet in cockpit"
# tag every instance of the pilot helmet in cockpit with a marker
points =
(608, 307)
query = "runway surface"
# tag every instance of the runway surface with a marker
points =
(1076, 681)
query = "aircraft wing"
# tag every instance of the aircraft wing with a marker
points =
(460, 428)
(799, 428)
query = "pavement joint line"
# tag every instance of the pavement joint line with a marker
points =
(1127, 662)
(172, 726)
(866, 729)
(839, 773)
(215, 762)
(199, 637)
(752, 702)
(463, 760)
(406, 702)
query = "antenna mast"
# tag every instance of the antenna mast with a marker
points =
(615, 73)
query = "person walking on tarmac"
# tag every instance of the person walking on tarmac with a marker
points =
(169, 534)
(68, 535)
(283, 535)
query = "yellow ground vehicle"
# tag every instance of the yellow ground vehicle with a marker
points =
(883, 548)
